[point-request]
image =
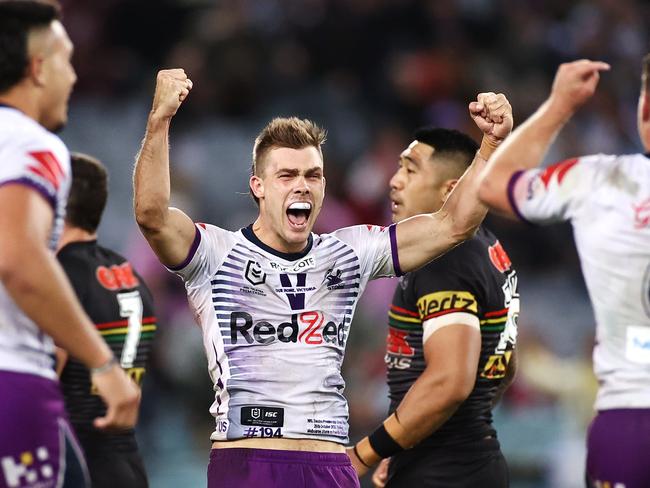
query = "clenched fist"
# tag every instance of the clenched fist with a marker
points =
(576, 82)
(172, 88)
(492, 114)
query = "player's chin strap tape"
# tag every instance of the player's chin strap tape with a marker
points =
(383, 444)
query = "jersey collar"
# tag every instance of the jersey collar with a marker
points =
(291, 256)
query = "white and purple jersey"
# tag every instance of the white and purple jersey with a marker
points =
(34, 157)
(275, 326)
(607, 200)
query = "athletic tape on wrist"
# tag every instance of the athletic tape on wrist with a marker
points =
(383, 444)
(104, 367)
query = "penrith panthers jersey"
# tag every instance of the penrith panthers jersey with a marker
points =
(275, 326)
(117, 300)
(607, 200)
(473, 284)
(33, 157)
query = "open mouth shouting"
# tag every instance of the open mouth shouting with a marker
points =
(298, 214)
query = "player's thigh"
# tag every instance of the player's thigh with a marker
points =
(230, 468)
(467, 470)
(37, 447)
(111, 469)
(618, 444)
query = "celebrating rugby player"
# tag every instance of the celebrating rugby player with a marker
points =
(275, 301)
(607, 200)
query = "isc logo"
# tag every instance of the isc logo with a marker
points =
(306, 327)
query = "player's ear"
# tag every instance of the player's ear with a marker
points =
(645, 106)
(448, 186)
(34, 70)
(257, 186)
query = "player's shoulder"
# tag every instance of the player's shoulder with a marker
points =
(110, 255)
(606, 169)
(20, 133)
(75, 257)
(355, 233)
(215, 230)
(467, 255)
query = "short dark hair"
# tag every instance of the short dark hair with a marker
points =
(290, 132)
(88, 192)
(450, 144)
(17, 19)
(645, 74)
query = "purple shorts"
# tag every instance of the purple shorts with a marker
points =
(618, 449)
(241, 467)
(37, 447)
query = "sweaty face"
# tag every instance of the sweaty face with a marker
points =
(57, 75)
(290, 190)
(416, 187)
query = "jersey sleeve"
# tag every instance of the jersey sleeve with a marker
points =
(38, 160)
(376, 247)
(206, 254)
(554, 193)
(449, 290)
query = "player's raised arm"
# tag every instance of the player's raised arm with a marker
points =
(424, 237)
(574, 84)
(169, 231)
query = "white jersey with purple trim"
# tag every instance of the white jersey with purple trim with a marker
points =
(607, 200)
(34, 157)
(275, 326)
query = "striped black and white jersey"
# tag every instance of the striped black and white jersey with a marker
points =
(275, 326)
(607, 200)
(33, 157)
(120, 305)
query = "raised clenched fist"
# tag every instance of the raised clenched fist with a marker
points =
(172, 88)
(492, 114)
(576, 82)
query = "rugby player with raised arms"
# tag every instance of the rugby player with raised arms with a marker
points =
(607, 200)
(275, 301)
(37, 304)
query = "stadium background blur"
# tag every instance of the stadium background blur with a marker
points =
(370, 71)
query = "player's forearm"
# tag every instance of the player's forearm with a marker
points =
(428, 404)
(524, 149)
(151, 180)
(37, 284)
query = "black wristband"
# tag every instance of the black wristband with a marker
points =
(383, 444)
(356, 453)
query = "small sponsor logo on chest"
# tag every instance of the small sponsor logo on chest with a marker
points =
(302, 265)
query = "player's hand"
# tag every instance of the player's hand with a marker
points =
(358, 466)
(492, 114)
(172, 88)
(576, 82)
(380, 475)
(122, 398)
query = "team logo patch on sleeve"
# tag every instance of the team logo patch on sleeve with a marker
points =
(443, 302)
